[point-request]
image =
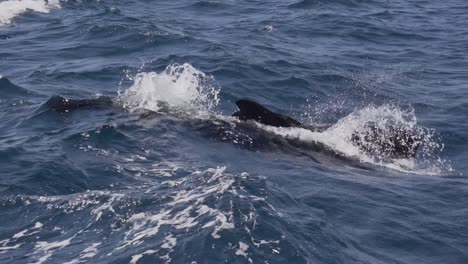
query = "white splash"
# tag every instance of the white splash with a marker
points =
(12, 8)
(178, 86)
(269, 28)
(338, 138)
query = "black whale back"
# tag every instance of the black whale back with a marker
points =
(62, 104)
(251, 110)
(395, 142)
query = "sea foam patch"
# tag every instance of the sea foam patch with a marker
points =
(149, 220)
(12, 8)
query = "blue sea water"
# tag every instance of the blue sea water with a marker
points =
(187, 183)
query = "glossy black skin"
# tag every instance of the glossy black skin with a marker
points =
(393, 142)
(62, 104)
(251, 110)
(396, 142)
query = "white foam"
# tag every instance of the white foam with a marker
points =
(195, 203)
(169, 243)
(9, 248)
(242, 251)
(265, 242)
(184, 213)
(48, 248)
(74, 261)
(135, 258)
(107, 206)
(184, 87)
(12, 8)
(179, 86)
(23, 233)
(90, 251)
(338, 138)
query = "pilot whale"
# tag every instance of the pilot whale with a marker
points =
(394, 141)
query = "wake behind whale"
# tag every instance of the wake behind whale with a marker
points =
(378, 135)
(394, 142)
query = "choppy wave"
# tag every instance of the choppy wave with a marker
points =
(189, 183)
(12, 8)
(181, 87)
(200, 204)
(9, 89)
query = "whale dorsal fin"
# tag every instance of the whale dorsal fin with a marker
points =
(251, 110)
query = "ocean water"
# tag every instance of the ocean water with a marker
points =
(166, 175)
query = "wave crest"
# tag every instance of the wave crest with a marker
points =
(13, 8)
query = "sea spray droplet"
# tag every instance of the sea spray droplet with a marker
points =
(178, 86)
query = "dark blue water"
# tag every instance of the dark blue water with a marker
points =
(186, 183)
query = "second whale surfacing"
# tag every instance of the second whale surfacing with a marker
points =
(394, 141)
